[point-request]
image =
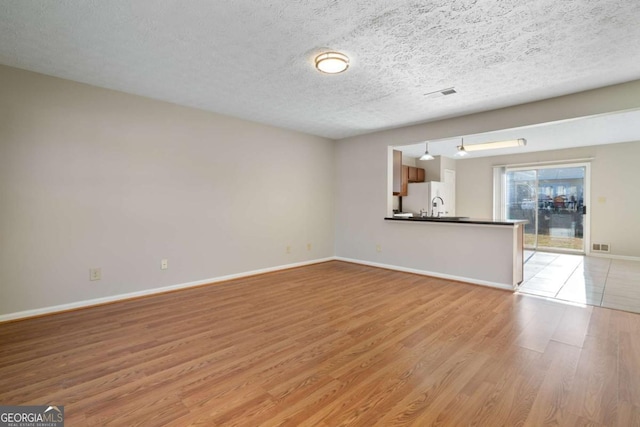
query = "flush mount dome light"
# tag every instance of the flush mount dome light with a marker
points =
(332, 62)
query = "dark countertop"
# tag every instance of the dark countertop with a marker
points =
(459, 220)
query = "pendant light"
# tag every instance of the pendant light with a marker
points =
(461, 151)
(426, 155)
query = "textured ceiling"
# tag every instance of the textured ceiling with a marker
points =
(254, 59)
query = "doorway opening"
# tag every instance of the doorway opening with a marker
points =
(554, 200)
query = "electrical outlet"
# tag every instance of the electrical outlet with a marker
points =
(164, 264)
(95, 274)
(288, 249)
(378, 248)
(308, 246)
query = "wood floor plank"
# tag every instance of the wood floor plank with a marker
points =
(536, 335)
(326, 345)
(550, 406)
(595, 394)
(629, 375)
(573, 326)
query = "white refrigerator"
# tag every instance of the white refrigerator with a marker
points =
(420, 196)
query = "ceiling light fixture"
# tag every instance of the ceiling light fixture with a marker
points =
(520, 142)
(461, 151)
(332, 62)
(426, 155)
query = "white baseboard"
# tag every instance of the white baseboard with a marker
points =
(147, 292)
(622, 257)
(429, 273)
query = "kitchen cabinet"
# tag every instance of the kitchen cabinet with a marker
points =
(405, 181)
(409, 174)
(399, 182)
(413, 174)
(403, 175)
(416, 174)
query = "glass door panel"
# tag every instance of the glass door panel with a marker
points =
(560, 217)
(521, 201)
(552, 200)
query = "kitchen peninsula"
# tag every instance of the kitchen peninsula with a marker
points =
(479, 251)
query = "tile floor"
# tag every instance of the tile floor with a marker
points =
(581, 279)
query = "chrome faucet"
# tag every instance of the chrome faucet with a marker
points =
(434, 205)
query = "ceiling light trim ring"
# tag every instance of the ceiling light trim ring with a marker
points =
(332, 62)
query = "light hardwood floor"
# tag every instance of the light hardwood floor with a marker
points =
(329, 344)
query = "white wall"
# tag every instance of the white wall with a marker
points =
(615, 206)
(361, 170)
(96, 178)
(434, 169)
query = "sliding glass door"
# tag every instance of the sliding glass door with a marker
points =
(553, 199)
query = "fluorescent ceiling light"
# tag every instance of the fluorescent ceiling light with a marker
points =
(520, 142)
(332, 62)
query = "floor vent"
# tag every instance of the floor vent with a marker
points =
(600, 247)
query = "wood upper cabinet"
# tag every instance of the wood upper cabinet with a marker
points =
(413, 174)
(397, 173)
(402, 181)
(405, 181)
(403, 175)
(416, 174)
